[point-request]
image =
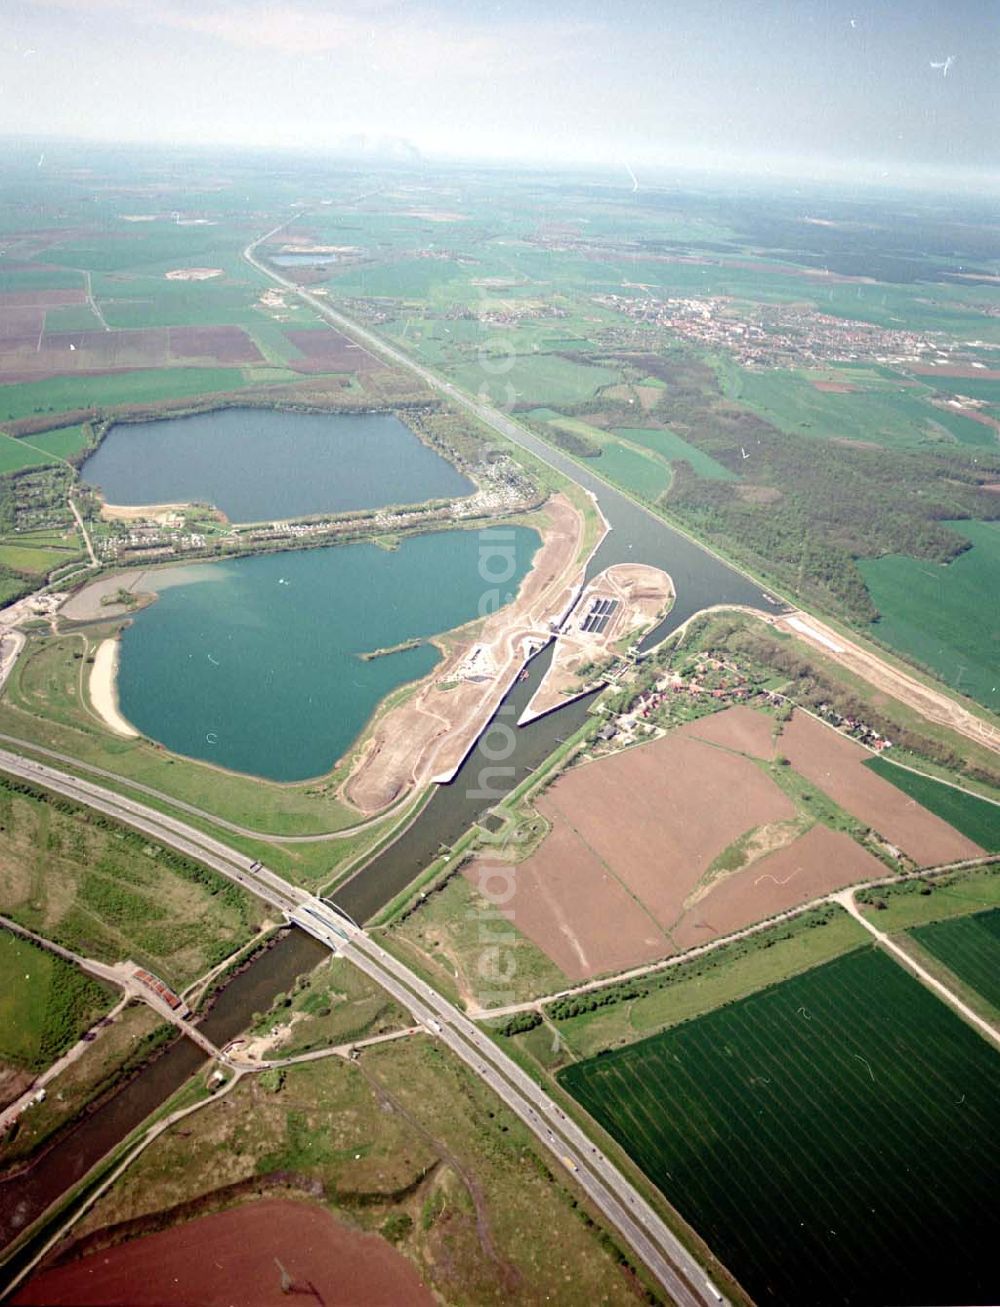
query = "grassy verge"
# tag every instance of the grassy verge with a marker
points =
(121, 1046)
(46, 1003)
(624, 1012)
(467, 946)
(915, 902)
(107, 892)
(408, 1143)
(333, 1004)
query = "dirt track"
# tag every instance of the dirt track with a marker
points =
(621, 879)
(932, 704)
(427, 737)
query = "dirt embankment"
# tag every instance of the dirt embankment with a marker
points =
(426, 738)
(930, 703)
(621, 603)
(243, 1255)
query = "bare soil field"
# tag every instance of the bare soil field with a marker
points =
(228, 1259)
(20, 325)
(426, 737)
(834, 763)
(326, 350)
(818, 862)
(578, 913)
(224, 345)
(659, 814)
(833, 387)
(45, 299)
(192, 274)
(626, 874)
(738, 728)
(954, 370)
(27, 355)
(640, 594)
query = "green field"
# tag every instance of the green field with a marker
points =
(61, 443)
(46, 1003)
(897, 419)
(639, 474)
(24, 558)
(915, 902)
(632, 1010)
(673, 448)
(14, 454)
(968, 946)
(975, 817)
(109, 894)
(537, 379)
(65, 394)
(835, 1138)
(938, 616)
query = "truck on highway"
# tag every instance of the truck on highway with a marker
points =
(568, 1161)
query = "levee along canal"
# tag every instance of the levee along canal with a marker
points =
(701, 580)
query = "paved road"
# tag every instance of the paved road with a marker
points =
(625, 1209)
(628, 1213)
(160, 827)
(347, 832)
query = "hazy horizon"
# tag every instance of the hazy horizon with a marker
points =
(787, 87)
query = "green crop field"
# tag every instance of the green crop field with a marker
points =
(968, 946)
(62, 443)
(897, 418)
(835, 1138)
(638, 473)
(46, 1003)
(15, 455)
(975, 817)
(64, 394)
(935, 614)
(538, 379)
(24, 558)
(673, 448)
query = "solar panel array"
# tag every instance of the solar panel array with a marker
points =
(599, 616)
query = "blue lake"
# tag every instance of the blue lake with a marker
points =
(253, 663)
(262, 464)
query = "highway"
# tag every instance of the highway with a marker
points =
(623, 1207)
(668, 1259)
(162, 828)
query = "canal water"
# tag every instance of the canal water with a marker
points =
(255, 663)
(500, 760)
(261, 465)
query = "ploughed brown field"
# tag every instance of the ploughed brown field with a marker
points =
(228, 1260)
(24, 353)
(326, 350)
(45, 299)
(626, 874)
(834, 764)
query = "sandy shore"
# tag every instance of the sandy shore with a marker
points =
(103, 689)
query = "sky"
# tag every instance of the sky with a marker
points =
(820, 86)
